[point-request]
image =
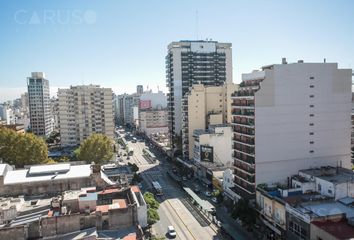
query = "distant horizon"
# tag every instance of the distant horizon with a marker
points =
(124, 44)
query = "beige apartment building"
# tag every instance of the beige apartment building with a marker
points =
(153, 121)
(84, 110)
(203, 106)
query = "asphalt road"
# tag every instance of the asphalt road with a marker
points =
(174, 207)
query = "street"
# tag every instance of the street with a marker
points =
(175, 208)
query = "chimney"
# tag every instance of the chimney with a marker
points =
(283, 61)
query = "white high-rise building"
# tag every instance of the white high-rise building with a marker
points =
(191, 62)
(39, 104)
(84, 110)
(288, 117)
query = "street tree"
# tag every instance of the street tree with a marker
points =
(152, 216)
(97, 148)
(22, 149)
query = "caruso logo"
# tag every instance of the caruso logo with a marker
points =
(55, 17)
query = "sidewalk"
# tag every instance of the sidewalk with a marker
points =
(230, 225)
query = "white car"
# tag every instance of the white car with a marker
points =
(207, 193)
(171, 231)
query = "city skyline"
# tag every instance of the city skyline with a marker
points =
(77, 45)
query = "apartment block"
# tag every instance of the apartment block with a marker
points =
(84, 110)
(39, 104)
(153, 121)
(288, 117)
(191, 62)
(203, 106)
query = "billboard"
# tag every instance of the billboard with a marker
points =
(206, 153)
(145, 104)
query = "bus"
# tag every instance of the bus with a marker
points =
(157, 188)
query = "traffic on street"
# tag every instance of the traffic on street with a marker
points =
(180, 215)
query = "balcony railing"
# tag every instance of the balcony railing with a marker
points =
(243, 121)
(243, 112)
(244, 130)
(243, 157)
(243, 140)
(244, 167)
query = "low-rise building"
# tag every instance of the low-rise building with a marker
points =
(91, 211)
(153, 121)
(302, 208)
(48, 179)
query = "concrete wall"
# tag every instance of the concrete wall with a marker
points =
(18, 233)
(34, 188)
(282, 113)
(51, 226)
(221, 143)
(122, 217)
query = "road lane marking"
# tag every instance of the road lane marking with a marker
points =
(181, 219)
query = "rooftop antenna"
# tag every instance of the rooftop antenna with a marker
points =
(196, 24)
(158, 89)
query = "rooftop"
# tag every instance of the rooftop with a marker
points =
(339, 230)
(46, 173)
(323, 209)
(331, 174)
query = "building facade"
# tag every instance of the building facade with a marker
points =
(84, 110)
(289, 117)
(153, 121)
(203, 106)
(39, 104)
(191, 62)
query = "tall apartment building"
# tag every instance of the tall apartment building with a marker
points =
(39, 104)
(84, 110)
(191, 62)
(288, 117)
(203, 106)
(130, 109)
(139, 89)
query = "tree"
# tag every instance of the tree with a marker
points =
(136, 178)
(244, 212)
(151, 201)
(22, 149)
(133, 167)
(152, 216)
(97, 148)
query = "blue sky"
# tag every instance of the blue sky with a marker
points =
(120, 44)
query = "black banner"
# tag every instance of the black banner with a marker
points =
(206, 154)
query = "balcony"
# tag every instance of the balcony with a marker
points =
(243, 94)
(244, 167)
(249, 178)
(239, 156)
(244, 131)
(243, 140)
(244, 122)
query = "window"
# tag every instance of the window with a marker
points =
(312, 115)
(312, 142)
(312, 96)
(311, 151)
(312, 86)
(312, 78)
(311, 124)
(311, 106)
(311, 133)
(329, 191)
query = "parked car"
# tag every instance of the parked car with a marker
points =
(214, 200)
(171, 231)
(207, 193)
(184, 178)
